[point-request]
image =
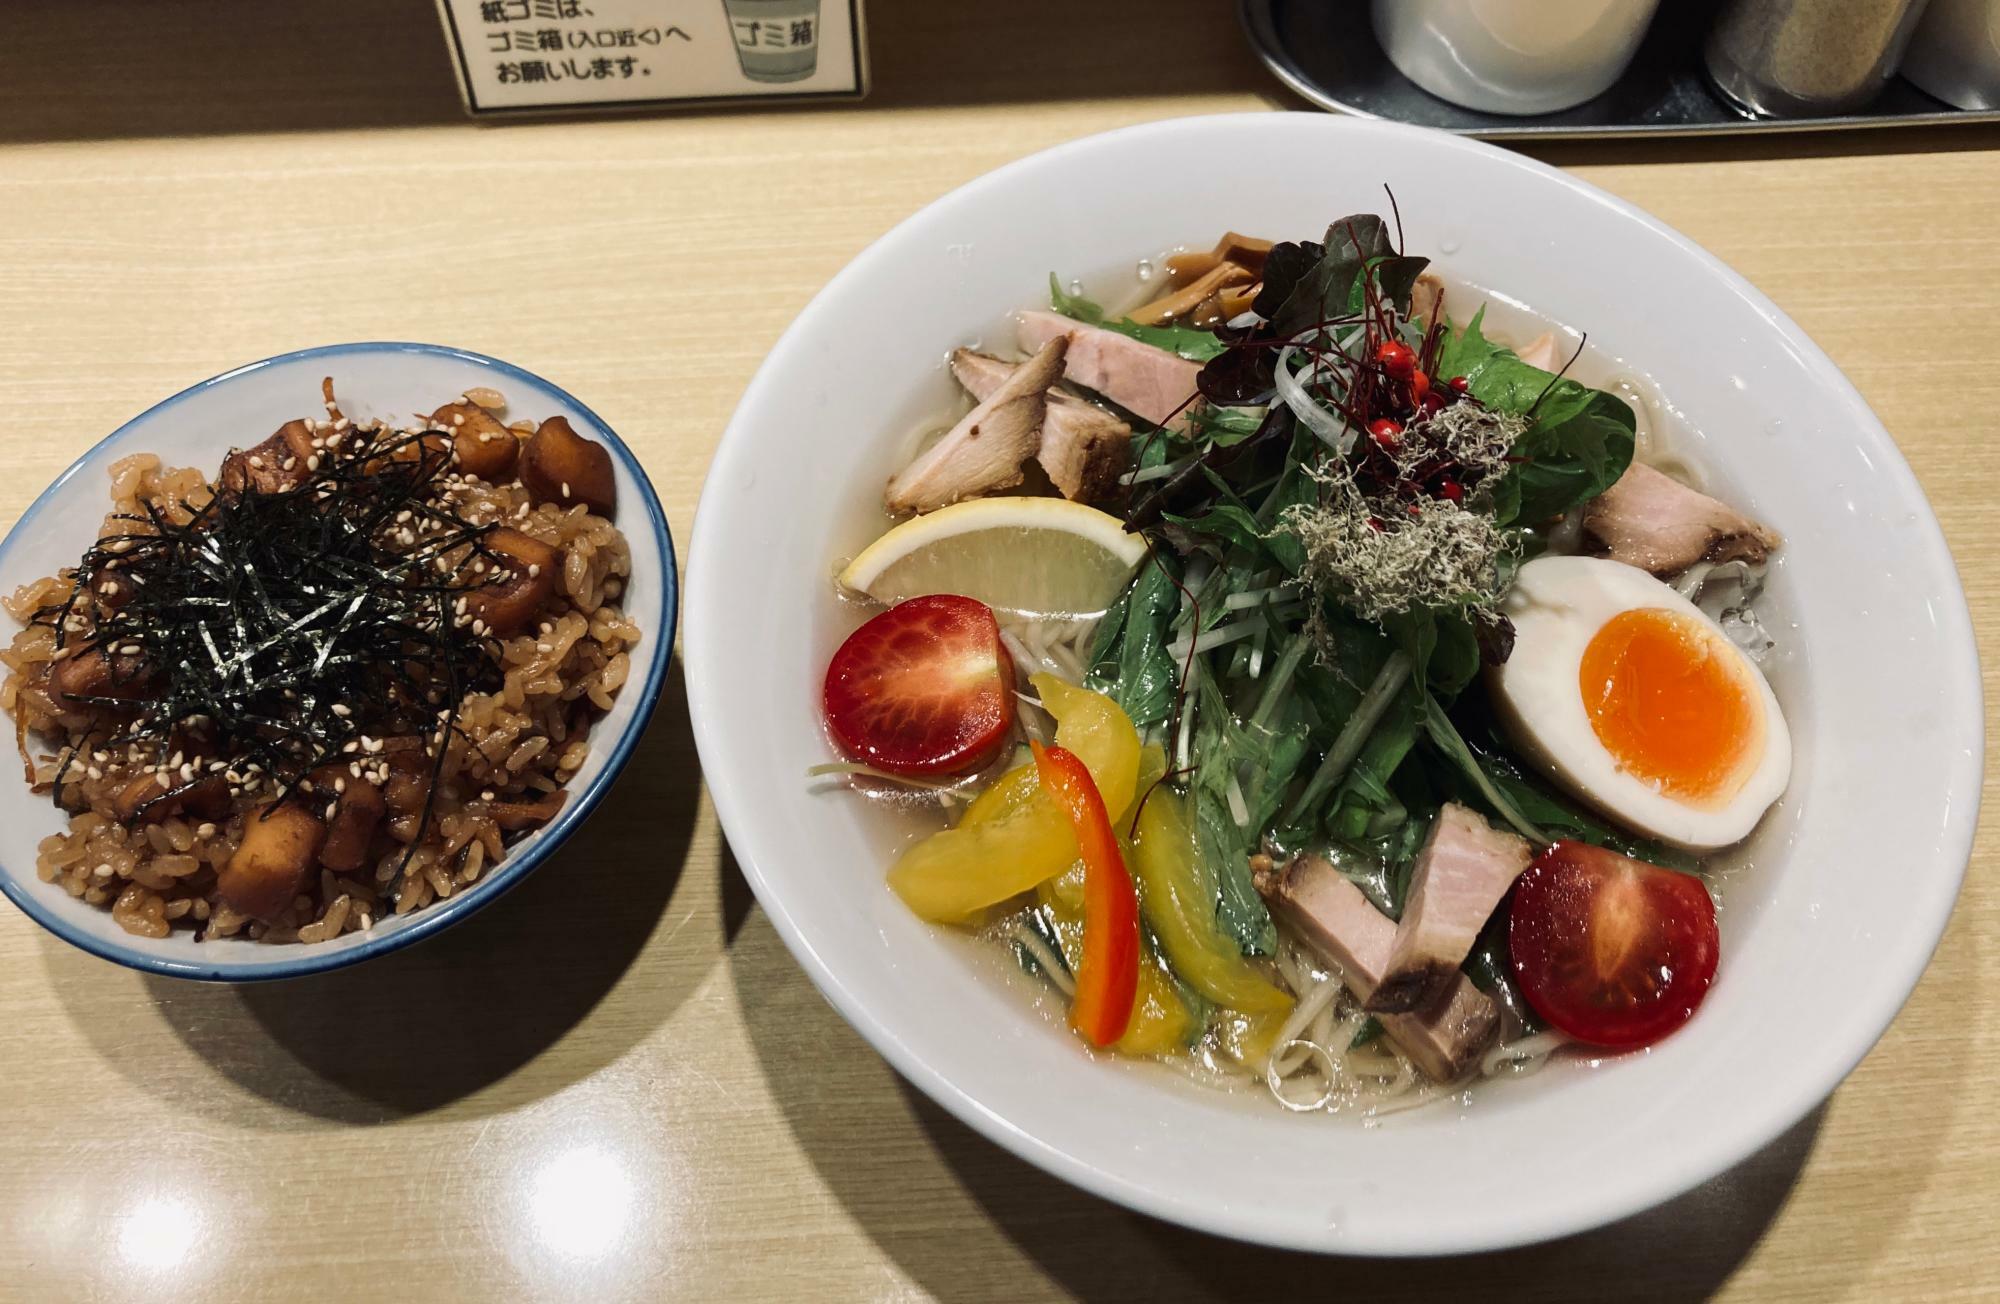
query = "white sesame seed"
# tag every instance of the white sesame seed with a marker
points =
(342, 710)
(102, 871)
(204, 830)
(565, 488)
(534, 569)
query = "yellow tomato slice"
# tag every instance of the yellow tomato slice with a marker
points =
(1013, 837)
(1180, 909)
(1161, 1021)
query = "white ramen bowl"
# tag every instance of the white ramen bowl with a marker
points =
(1878, 677)
(195, 428)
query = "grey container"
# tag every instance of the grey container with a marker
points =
(1955, 54)
(1808, 58)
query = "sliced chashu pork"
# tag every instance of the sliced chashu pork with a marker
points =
(1465, 867)
(1443, 1038)
(985, 451)
(1084, 449)
(1426, 297)
(1540, 351)
(1653, 521)
(1149, 382)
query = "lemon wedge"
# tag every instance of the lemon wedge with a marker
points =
(1036, 558)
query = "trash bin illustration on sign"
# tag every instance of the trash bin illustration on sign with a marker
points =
(776, 40)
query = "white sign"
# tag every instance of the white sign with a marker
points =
(535, 56)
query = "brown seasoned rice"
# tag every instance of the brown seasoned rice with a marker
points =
(523, 740)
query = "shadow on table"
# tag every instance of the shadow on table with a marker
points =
(103, 69)
(106, 69)
(1681, 1251)
(111, 69)
(430, 1025)
(924, 53)
(968, 1221)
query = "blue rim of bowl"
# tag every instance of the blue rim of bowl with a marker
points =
(432, 919)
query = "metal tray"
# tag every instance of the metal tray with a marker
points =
(1326, 51)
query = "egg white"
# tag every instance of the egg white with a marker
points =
(1557, 606)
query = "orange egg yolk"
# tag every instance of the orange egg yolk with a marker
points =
(1673, 704)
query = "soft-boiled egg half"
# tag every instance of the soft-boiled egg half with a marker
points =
(1628, 695)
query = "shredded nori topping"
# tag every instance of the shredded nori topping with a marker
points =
(259, 613)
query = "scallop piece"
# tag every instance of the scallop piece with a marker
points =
(562, 467)
(272, 864)
(511, 603)
(485, 447)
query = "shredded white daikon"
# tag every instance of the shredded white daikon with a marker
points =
(1331, 428)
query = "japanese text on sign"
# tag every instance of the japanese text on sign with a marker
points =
(532, 55)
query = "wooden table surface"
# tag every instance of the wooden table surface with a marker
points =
(616, 1084)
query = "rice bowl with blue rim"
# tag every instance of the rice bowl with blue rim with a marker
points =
(630, 588)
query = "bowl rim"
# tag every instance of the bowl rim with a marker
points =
(1751, 1128)
(49, 912)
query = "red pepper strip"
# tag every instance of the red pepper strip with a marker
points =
(1107, 980)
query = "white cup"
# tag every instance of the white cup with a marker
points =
(1513, 56)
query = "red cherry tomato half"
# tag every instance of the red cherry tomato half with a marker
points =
(924, 688)
(1610, 950)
